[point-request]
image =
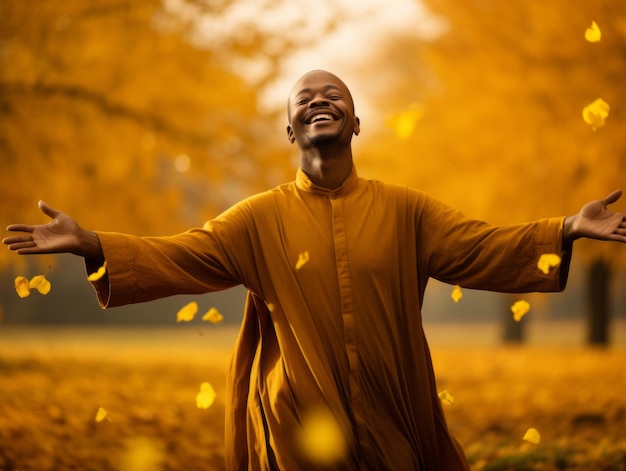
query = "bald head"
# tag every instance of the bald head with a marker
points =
(316, 75)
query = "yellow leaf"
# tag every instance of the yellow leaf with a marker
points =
(213, 315)
(22, 286)
(595, 113)
(519, 309)
(403, 123)
(206, 396)
(457, 294)
(547, 261)
(593, 33)
(446, 397)
(321, 438)
(532, 436)
(187, 312)
(95, 276)
(302, 259)
(102, 414)
(40, 283)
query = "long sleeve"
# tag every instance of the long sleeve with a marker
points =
(477, 255)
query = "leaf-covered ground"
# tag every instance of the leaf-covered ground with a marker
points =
(51, 389)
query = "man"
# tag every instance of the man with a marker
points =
(336, 267)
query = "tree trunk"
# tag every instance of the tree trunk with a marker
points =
(512, 330)
(599, 276)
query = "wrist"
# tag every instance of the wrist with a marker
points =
(569, 231)
(89, 246)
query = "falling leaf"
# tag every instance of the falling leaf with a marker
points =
(519, 309)
(595, 113)
(457, 294)
(302, 259)
(403, 123)
(22, 286)
(547, 261)
(213, 315)
(40, 283)
(206, 396)
(102, 414)
(95, 276)
(321, 438)
(446, 397)
(593, 33)
(187, 313)
(532, 436)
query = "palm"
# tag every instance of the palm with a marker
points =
(58, 235)
(596, 221)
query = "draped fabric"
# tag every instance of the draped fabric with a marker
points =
(335, 282)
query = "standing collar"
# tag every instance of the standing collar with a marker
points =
(303, 182)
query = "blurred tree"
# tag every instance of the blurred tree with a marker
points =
(501, 92)
(110, 111)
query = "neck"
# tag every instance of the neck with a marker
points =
(324, 170)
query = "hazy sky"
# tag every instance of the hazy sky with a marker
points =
(364, 24)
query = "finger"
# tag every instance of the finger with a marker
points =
(20, 228)
(22, 247)
(612, 198)
(48, 210)
(16, 239)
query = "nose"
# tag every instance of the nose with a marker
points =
(318, 100)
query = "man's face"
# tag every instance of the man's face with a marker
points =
(320, 111)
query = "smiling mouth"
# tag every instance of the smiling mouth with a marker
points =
(320, 118)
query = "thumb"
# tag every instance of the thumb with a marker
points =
(48, 210)
(612, 198)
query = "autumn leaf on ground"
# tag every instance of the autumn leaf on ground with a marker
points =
(321, 438)
(302, 259)
(22, 286)
(457, 294)
(446, 397)
(187, 312)
(519, 309)
(213, 315)
(206, 396)
(547, 261)
(403, 123)
(532, 436)
(595, 113)
(593, 33)
(95, 276)
(102, 414)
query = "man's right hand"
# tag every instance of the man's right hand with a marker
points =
(61, 235)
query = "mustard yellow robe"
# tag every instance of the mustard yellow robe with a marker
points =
(342, 329)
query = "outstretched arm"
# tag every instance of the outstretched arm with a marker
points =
(596, 221)
(60, 235)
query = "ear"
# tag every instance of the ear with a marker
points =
(357, 126)
(290, 135)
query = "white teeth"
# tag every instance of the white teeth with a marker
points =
(321, 117)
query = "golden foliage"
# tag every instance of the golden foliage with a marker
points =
(593, 33)
(99, 273)
(206, 396)
(532, 435)
(97, 95)
(505, 390)
(213, 316)
(187, 312)
(519, 309)
(446, 397)
(457, 294)
(548, 261)
(37, 282)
